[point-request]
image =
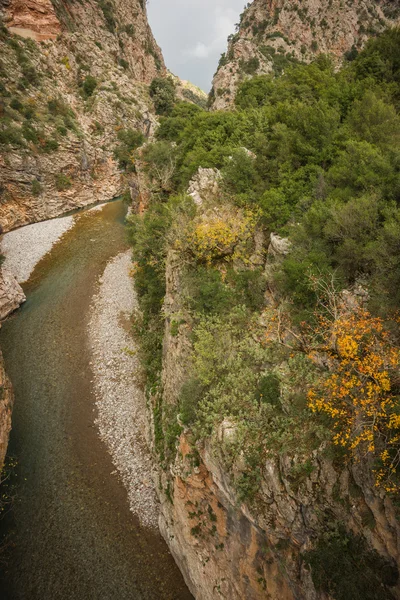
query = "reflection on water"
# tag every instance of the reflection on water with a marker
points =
(72, 534)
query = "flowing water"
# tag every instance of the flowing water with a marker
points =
(71, 534)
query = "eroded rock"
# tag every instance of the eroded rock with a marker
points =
(11, 293)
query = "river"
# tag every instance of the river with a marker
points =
(71, 531)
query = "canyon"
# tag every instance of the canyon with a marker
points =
(75, 82)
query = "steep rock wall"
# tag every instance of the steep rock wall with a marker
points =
(6, 403)
(233, 550)
(66, 98)
(32, 18)
(272, 33)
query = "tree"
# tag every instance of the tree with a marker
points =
(130, 140)
(162, 92)
(360, 393)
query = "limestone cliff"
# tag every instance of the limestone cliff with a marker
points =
(234, 549)
(272, 34)
(74, 76)
(11, 293)
(6, 403)
(11, 296)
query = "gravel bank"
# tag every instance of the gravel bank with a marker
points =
(120, 402)
(24, 247)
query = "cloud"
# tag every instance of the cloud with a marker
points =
(192, 34)
(223, 20)
(200, 51)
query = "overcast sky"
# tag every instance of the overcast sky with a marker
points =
(192, 34)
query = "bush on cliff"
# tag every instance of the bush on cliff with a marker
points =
(130, 140)
(162, 92)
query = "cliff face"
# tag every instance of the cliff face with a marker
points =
(222, 546)
(274, 33)
(234, 549)
(6, 403)
(73, 78)
(35, 19)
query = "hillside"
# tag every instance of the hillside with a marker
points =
(68, 101)
(273, 34)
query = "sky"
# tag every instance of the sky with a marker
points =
(192, 34)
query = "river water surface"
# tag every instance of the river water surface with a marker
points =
(71, 533)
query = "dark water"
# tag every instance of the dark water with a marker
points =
(71, 534)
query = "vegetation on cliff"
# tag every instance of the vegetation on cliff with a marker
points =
(271, 36)
(293, 351)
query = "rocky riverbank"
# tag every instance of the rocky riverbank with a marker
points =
(23, 248)
(121, 406)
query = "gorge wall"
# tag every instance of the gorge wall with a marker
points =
(75, 76)
(272, 34)
(234, 549)
(6, 404)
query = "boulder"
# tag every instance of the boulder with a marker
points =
(11, 293)
(204, 185)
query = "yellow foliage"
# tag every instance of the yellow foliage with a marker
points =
(221, 236)
(66, 63)
(359, 392)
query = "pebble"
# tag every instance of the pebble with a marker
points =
(23, 248)
(120, 402)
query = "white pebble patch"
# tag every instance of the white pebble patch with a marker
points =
(120, 401)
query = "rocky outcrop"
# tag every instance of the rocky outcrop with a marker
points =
(6, 404)
(187, 92)
(66, 99)
(221, 550)
(11, 293)
(228, 550)
(33, 18)
(11, 297)
(274, 33)
(204, 185)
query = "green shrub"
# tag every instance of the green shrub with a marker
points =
(343, 567)
(124, 63)
(206, 293)
(130, 140)
(57, 107)
(36, 188)
(269, 389)
(129, 29)
(11, 136)
(191, 393)
(108, 14)
(162, 92)
(16, 104)
(250, 66)
(49, 146)
(147, 236)
(30, 133)
(62, 181)
(30, 76)
(88, 86)
(29, 112)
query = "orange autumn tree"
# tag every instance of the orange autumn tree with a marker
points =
(359, 393)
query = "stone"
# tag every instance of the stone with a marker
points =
(204, 185)
(278, 246)
(11, 293)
